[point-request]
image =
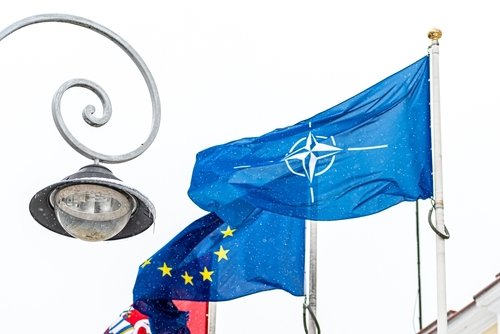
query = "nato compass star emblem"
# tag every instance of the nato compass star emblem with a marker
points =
(311, 150)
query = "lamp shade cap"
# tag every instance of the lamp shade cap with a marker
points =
(43, 211)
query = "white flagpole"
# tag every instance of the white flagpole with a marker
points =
(442, 318)
(313, 260)
(212, 310)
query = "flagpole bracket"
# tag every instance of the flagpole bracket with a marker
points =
(443, 235)
(307, 309)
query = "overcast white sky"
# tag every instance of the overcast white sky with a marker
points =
(226, 70)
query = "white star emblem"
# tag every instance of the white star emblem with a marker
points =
(310, 153)
(309, 150)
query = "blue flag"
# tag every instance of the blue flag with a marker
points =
(355, 159)
(211, 260)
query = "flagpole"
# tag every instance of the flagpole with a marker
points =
(212, 310)
(417, 223)
(313, 262)
(442, 318)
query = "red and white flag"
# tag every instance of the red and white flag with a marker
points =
(132, 321)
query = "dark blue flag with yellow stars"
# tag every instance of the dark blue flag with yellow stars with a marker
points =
(211, 260)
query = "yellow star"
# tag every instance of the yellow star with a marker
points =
(145, 263)
(187, 279)
(207, 275)
(221, 253)
(228, 232)
(165, 270)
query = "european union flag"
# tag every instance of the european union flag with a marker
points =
(211, 260)
(355, 159)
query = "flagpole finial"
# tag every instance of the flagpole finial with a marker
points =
(434, 34)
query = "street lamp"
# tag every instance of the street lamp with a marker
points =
(93, 204)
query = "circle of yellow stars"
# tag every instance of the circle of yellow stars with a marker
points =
(206, 274)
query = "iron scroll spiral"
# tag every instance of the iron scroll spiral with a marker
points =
(96, 89)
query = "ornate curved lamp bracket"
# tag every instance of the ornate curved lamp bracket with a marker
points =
(88, 112)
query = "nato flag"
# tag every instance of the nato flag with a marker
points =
(211, 260)
(360, 157)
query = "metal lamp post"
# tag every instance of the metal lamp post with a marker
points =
(93, 204)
